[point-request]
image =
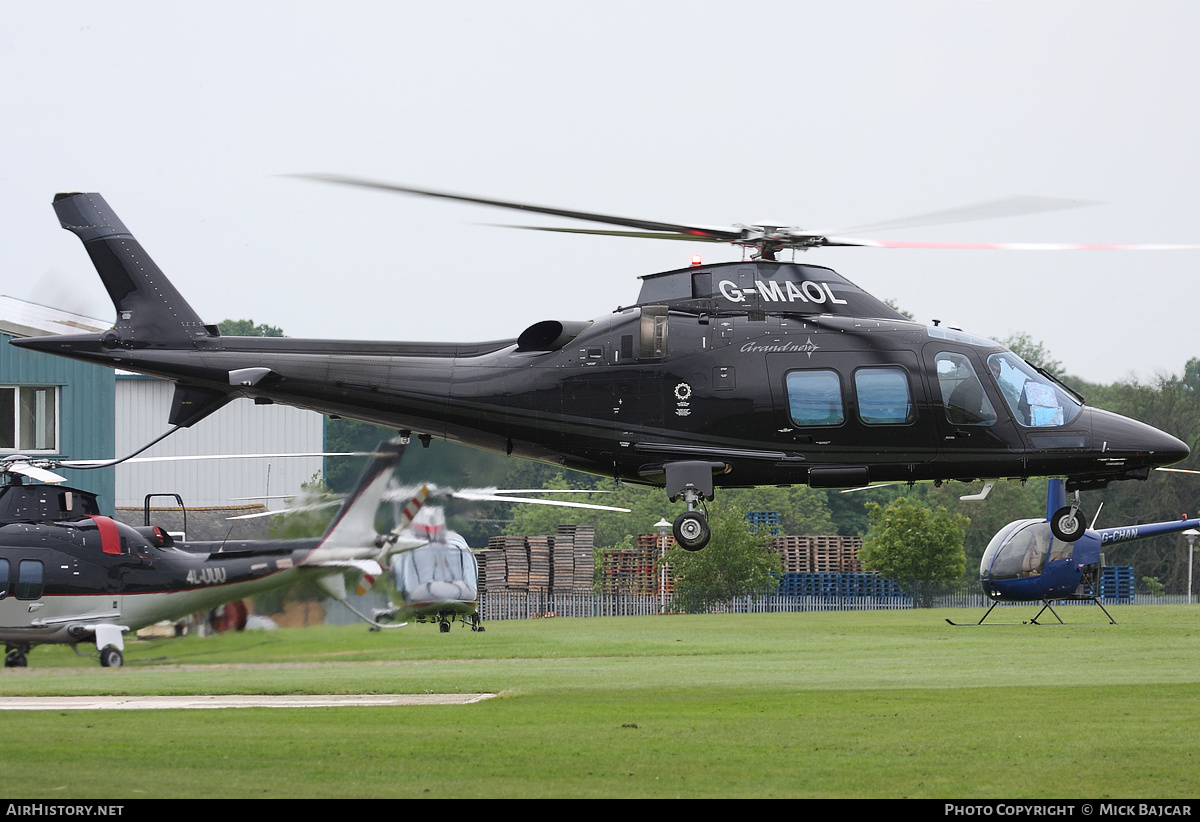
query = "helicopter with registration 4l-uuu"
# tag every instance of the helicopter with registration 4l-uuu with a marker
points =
(734, 374)
(70, 575)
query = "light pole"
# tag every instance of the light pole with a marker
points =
(663, 527)
(1190, 534)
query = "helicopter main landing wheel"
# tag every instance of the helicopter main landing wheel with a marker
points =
(110, 657)
(15, 658)
(691, 530)
(1067, 524)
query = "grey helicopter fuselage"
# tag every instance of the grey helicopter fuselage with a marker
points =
(437, 582)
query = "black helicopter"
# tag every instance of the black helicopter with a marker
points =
(69, 574)
(759, 372)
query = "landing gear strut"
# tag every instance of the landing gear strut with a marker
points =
(692, 480)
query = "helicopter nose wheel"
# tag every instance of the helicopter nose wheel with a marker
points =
(691, 530)
(1067, 525)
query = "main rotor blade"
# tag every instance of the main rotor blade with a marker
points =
(770, 239)
(720, 233)
(645, 235)
(33, 472)
(943, 246)
(314, 507)
(533, 501)
(190, 457)
(506, 495)
(990, 210)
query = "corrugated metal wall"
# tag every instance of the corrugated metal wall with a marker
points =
(86, 408)
(142, 407)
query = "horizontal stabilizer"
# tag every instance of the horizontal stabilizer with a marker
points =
(190, 404)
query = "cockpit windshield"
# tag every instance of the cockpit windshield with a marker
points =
(1021, 549)
(437, 562)
(1035, 401)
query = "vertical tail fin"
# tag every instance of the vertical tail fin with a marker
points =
(148, 306)
(354, 524)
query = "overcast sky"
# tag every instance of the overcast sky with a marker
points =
(817, 114)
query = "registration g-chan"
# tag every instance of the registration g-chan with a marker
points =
(759, 372)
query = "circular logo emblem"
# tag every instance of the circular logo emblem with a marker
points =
(683, 391)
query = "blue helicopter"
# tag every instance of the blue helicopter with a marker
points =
(1025, 562)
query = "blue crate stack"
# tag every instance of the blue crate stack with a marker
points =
(840, 585)
(1116, 583)
(764, 519)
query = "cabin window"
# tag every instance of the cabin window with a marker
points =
(29, 579)
(1035, 401)
(3, 578)
(962, 392)
(815, 397)
(883, 396)
(29, 418)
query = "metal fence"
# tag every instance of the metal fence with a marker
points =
(497, 605)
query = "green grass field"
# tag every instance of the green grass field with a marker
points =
(843, 704)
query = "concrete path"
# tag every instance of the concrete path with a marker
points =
(146, 703)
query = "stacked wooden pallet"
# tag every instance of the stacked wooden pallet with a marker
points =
(491, 566)
(515, 562)
(562, 559)
(539, 561)
(653, 542)
(584, 558)
(636, 571)
(819, 554)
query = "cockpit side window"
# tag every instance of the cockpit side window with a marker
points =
(963, 396)
(1034, 400)
(29, 579)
